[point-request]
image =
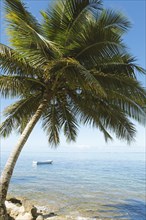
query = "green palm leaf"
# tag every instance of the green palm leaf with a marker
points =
(104, 114)
(75, 76)
(14, 86)
(18, 114)
(114, 21)
(25, 32)
(12, 62)
(69, 122)
(52, 124)
(66, 16)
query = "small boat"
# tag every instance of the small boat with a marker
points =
(42, 162)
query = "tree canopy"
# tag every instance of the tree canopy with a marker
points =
(76, 59)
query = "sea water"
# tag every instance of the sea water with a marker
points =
(90, 185)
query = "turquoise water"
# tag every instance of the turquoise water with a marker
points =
(96, 185)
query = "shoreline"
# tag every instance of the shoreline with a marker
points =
(21, 208)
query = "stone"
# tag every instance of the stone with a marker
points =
(52, 214)
(28, 207)
(21, 209)
(12, 209)
(26, 216)
(26, 211)
(8, 210)
(34, 211)
(10, 218)
(42, 209)
(14, 213)
(40, 217)
(15, 201)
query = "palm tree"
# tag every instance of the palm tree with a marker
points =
(71, 68)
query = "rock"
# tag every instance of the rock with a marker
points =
(14, 213)
(15, 201)
(42, 209)
(10, 218)
(52, 214)
(26, 216)
(34, 211)
(21, 209)
(12, 209)
(8, 211)
(40, 217)
(28, 207)
(26, 211)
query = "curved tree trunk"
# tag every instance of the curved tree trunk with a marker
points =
(9, 167)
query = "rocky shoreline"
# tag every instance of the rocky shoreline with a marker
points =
(23, 209)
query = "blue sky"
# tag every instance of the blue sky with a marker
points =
(89, 139)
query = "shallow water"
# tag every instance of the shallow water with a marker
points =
(95, 186)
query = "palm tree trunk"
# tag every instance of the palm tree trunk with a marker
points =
(9, 167)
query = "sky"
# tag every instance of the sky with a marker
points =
(89, 139)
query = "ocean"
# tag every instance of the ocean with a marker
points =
(83, 185)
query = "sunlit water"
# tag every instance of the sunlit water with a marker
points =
(95, 186)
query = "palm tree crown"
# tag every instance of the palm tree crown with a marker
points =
(76, 60)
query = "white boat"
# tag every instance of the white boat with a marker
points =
(42, 162)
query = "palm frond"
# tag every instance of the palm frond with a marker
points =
(53, 24)
(52, 124)
(117, 80)
(18, 114)
(69, 123)
(78, 13)
(119, 64)
(115, 21)
(106, 134)
(130, 105)
(25, 31)
(104, 114)
(67, 16)
(70, 72)
(93, 44)
(19, 10)
(117, 122)
(97, 39)
(12, 63)
(14, 86)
